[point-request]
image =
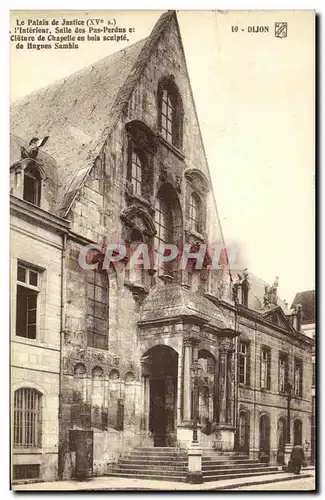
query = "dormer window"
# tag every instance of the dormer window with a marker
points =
(170, 112)
(32, 186)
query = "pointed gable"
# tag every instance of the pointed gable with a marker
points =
(278, 318)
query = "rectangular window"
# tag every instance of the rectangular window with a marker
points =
(26, 301)
(97, 313)
(265, 368)
(314, 374)
(283, 371)
(164, 225)
(167, 116)
(28, 471)
(243, 363)
(136, 174)
(27, 418)
(298, 377)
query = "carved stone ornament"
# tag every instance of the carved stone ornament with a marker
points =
(163, 172)
(225, 344)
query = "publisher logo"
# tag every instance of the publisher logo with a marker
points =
(281, 30)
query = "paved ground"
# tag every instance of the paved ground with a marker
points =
(122, 484)
(301, 484)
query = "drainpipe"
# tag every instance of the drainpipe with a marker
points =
(62, 324)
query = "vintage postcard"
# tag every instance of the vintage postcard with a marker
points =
(162, 250)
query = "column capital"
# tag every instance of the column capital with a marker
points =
(226, 344)
(191, 340)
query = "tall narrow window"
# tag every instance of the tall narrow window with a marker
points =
(298, 377)
(97, 313)
(27, 418)
(243, 364)
(283, 372)
(32, 186)
(170, 112)
(167, 115)
(136, 174)
(195, 212)
(164, 228)
(265, 368)
(26, 301)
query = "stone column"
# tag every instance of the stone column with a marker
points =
(225, 431)
(185, 427)
(187, 388)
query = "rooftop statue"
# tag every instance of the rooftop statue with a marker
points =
(32, 150)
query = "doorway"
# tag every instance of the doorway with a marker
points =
(297, 432)
(162, 364)
(282, 436)
(264, 438)
(243, 432)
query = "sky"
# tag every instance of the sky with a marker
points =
(254, 96)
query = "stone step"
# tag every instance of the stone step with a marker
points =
(235, 475)
(161, 449)
(158, 461)
(231, 466)
(170, 458)
(163, 472)
(153, 475)
(239, 470)
(148, 465)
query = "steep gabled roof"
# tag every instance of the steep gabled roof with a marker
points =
(79, 111)
(307, 300)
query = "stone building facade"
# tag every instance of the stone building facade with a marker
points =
(125, 162)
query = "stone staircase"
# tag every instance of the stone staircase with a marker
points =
(170, 464)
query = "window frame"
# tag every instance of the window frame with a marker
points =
(137, 171)
(36, 290)
(92, 331)
(195, 212)
(246, 357)
(285, 357)
(266, 385)
(24, 422)
(37, 179)
(170, 113)
(298, 389)
(167, 227)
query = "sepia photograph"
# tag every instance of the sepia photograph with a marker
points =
(162, 250)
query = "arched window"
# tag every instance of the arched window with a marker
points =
(97, 309)
(170, 112)
(195, 212)
(297, 432)
(97, 393)
(282, 438)
(32, 185)
(136, 173)
(27, 418)
(243, 432)
(79, 383)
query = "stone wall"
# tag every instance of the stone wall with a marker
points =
(36, 363)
